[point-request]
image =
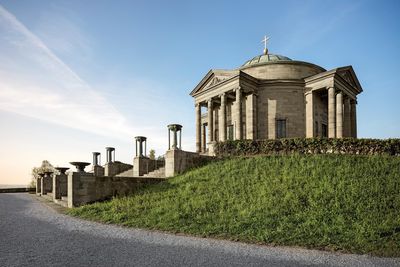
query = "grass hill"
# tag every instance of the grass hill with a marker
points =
(334, 202)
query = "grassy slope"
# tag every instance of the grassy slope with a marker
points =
(349, 203)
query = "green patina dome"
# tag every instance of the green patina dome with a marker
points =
(265, 59)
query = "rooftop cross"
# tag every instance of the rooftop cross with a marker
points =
(265, 40)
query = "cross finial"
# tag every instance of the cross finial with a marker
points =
(265, 40)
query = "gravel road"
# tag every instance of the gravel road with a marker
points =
(32, 233)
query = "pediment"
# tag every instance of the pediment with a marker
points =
(348, 74)
(212, 78)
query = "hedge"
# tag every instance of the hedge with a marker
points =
(309, 146)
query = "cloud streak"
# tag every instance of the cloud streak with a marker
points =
(34, 82)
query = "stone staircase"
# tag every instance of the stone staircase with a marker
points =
(159, 173)
(127, 173)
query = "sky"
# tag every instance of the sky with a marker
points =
(78, 76)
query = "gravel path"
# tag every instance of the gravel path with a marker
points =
(32, 233)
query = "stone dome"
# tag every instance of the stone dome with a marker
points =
(265, 59)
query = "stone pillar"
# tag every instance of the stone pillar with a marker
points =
(203, 138)
(238, 114)
(271, 118)
(198, 128)
(38, 186)
(331, 113)
(42, 186)
(339, 115)
(310, 131)
(346, 118)
(222, 119)
(210, 122)
(353, 107)
(251, 116)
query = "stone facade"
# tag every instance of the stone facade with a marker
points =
(272, 96)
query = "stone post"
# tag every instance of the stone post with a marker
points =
(60, 183)
(310, 131)
(353, 108)
(331, 113)
(38, 186)
(222, 119)
(210, 121)
(198, 128)
(42, 185)
(347, 119)
(339, 115)
(238, 114)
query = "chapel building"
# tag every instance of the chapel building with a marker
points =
(271, 96)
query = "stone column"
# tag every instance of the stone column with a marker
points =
(238, 114)
(222, 119)
(198, 128)
(353, 107)
(339, 115)
(251, 116)
(203, 146)
(331, 113)
(310, 131)
(346, 117)
(210, 121)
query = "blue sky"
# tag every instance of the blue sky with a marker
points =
(77, 76)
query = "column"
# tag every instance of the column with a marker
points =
(310, 131)
(331, 113)
(198, 128)
(251, 116)
(203, 146)
(346, 118)
(222, 119)
(353, 106)
(238, 114)
(339, 115)
(210, 121)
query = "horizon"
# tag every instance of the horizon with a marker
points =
(77, 77)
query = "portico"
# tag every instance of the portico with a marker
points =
(228, 114)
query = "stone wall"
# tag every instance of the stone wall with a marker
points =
(86, 188)
(113, 168)
(144, 165)
(47, 185)
(280, 103)
(177, 161)
(60, 186)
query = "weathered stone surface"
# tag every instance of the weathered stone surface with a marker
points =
(177, 161)
(86, 188)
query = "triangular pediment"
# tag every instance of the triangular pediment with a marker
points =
(212, 78)
(348, 74)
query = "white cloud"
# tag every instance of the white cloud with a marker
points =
(36, 83)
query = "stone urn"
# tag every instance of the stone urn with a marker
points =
(80, 166)
(62, 170)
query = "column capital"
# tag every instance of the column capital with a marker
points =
(222, 95)
(238, 89)
(209, 102)
(339, 92)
